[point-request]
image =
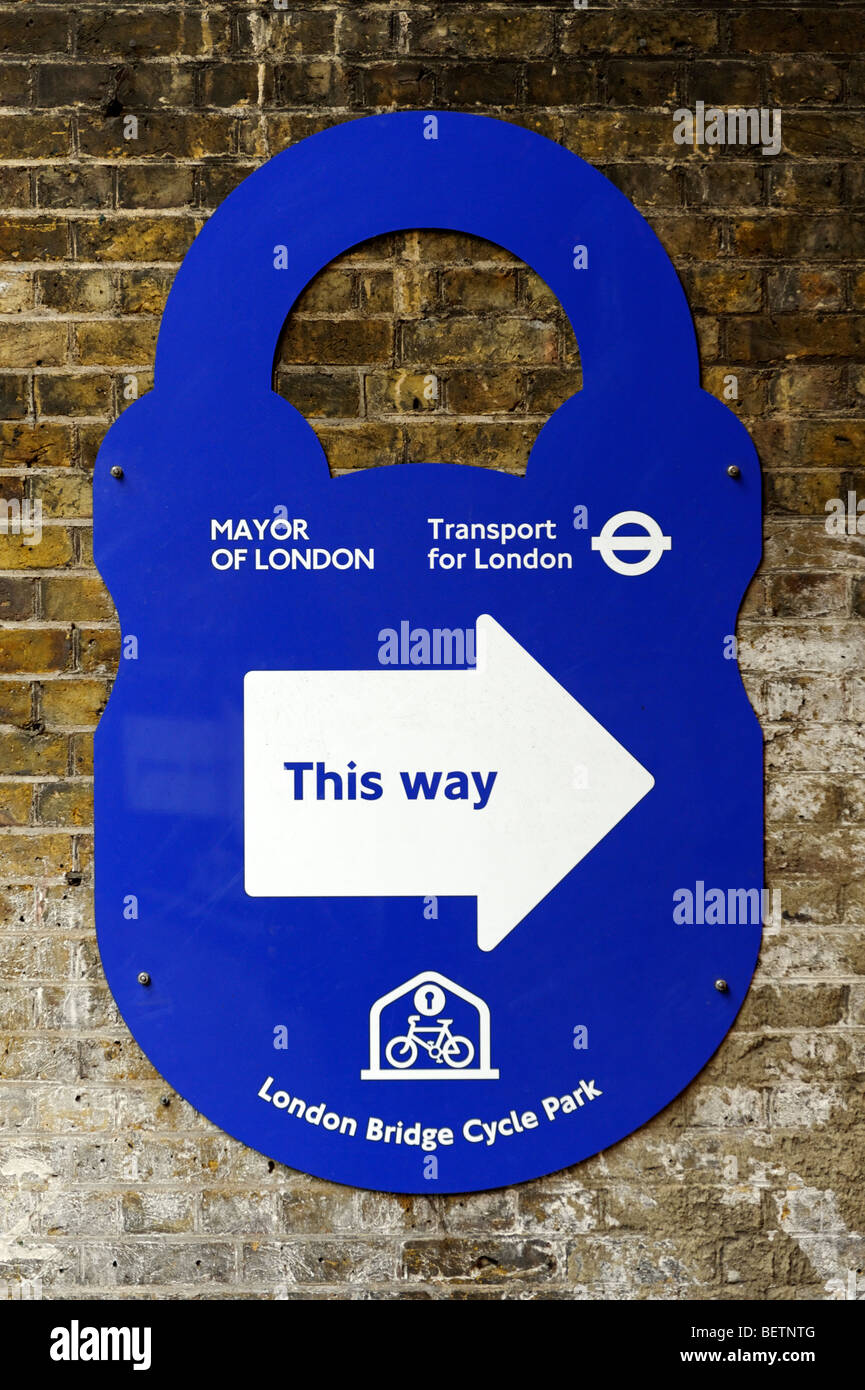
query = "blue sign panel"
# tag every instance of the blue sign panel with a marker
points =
(428, 799)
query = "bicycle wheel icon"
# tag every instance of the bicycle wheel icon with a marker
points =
(458, 1051)
(401, 1052)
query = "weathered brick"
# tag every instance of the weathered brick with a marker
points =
(224, 1213)
(152, 1261)
(812, 30)
(236, 84)
(14, 187)
(16, 290)
(396, 83)
(121, 32)
(73, 704)
(807, 595)
(217, 180)
(74, 186)
(364, 446)
(312, 82)
(16, 85)
(732, 288)
(43, 137)
(330, 292)
(16, 702)
(824, 134)
(365, 31)
(95, 84)
(17, 595)
(490, 33)
(345, 342)
(456, 342)
(647, 186)
(67, 394)
(803, 697)
(16, 804)
(148, 1212)
(495, 391)
(833, 443)
(803, 387)
(376, 292)
(314, 394)
(299, 1262)
(100, 649)
(115, 344)
(816, 185)
(795, 237)
(771, 338)
(810, 748)
(797, 81)
(140, 186)
(79, 1213)
(185, 134)
(654, 1265)
(30, 30)
(402, 391)
(75, 598)
(293, 32)
(135, 239)
(36, 649)
(33, 343)
(646, 34)
(476, 84)
(88, 291)
(53, 549)
(69, 803)
(485, 1260)
(724, 184)
(471, 289)
(45, 855)
(500, 445)
(28, 754)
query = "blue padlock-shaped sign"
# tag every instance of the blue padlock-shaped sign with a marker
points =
(428, 800)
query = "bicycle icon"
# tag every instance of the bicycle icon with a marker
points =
(445, 1047)
(412, 1038)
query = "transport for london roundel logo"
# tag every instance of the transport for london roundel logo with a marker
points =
(428, 798)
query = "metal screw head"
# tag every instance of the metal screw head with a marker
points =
(117, 471)
(734, 471)
(143, 977)
(721, 986)
(165, 1100)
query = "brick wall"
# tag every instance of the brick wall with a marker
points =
(749, 1184)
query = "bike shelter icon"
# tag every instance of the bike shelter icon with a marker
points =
(423, 1031)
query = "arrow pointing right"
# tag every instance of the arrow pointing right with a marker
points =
(562, 782)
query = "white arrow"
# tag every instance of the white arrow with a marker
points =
(562, 783)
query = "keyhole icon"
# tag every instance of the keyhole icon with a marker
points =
(429, 1000)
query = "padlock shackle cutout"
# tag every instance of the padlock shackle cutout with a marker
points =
(435, 170)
